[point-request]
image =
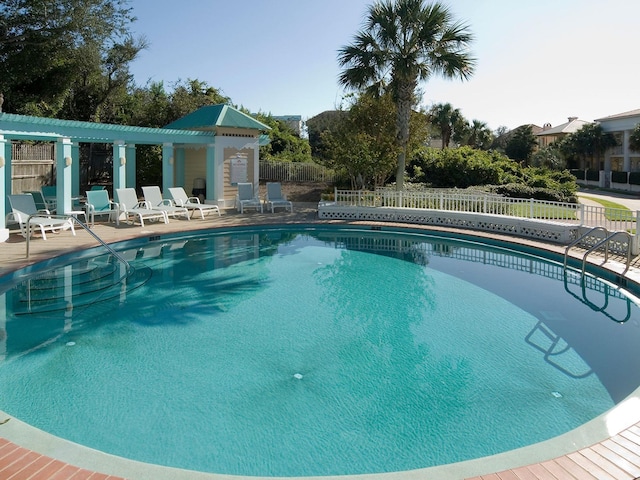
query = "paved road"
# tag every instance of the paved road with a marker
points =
(631, 201)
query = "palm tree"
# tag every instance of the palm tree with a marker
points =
(403, 43)
(448, 120)
(480, 136)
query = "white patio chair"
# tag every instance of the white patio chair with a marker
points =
(132, 209)
(23, 206)
(246, 197)
(98, 204)
(153, 197)
(180, 198)
(274, 197)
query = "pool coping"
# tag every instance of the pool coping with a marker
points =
(611, 423)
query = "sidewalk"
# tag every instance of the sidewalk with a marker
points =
(631, 201)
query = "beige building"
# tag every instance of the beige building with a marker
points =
(550, 134)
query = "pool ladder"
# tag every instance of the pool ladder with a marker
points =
(86, 227)
(608, 236)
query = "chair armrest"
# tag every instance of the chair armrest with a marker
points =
(167, 202)
(193, 200)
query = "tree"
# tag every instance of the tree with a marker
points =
(323, 122)
(285, 144)
(521, 144)
(500, 137)
(549, 157)
(402, 44)
(588, 142)
(447, 120)
(479, 135)
(634, 139)
(64, 57)
(362, 141)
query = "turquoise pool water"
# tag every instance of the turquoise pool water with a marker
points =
(314, 352)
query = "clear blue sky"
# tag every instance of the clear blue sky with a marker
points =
(538, 62)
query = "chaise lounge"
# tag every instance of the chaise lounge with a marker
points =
(25, 212)
(132, 209)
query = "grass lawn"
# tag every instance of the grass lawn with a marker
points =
(613, 211)
(544, 211)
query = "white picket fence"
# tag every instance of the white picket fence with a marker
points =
(295, 172)
(557, 221)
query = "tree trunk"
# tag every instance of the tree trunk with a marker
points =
(404, 102)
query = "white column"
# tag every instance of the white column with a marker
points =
(5, 186)
(119, 165)
(64, 164)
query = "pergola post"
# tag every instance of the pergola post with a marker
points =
(168, 161)
(119, 165)
(64, 163)
(5, 184)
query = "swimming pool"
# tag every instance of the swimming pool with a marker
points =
(273, 351)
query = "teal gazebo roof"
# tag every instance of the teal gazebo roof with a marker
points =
(213, 116)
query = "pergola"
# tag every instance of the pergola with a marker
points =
(211, 129)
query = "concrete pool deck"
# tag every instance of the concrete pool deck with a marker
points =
(605, 448)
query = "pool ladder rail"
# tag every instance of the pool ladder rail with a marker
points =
(94, 282)
(83, 225)
(606, 240)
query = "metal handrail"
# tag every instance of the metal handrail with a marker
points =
(86, 227)
(575, 242)
(606, 241)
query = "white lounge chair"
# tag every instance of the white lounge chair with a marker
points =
(131, 208)
(25, 212)
(153, 197)
(98, 203)
(180, 198)
(246, 197)
(274, 197)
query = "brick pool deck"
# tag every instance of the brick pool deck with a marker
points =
(26, 453)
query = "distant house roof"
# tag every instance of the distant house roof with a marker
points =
(572, 126)
(209, 117)
(630, 113)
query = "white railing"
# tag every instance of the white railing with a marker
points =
(452, 200)
(295, 172)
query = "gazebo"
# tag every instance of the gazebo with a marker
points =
(216, 147)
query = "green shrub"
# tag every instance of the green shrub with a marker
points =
(466, 167)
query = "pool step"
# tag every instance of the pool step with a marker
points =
(75, 286)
